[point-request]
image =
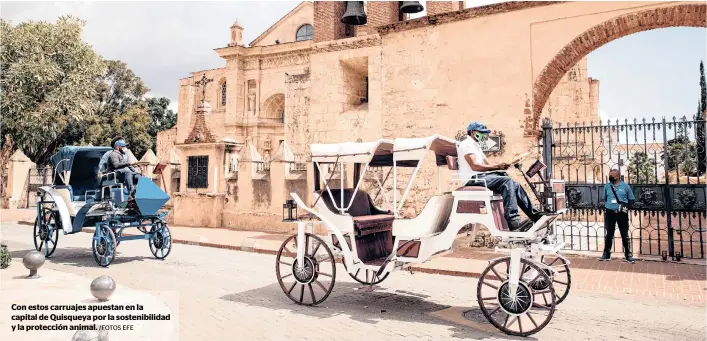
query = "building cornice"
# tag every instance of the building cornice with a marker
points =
(347, 43)
(469, 13)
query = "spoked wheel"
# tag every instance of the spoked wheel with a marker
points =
(316, 277)
(367, 277)
(161, 241)
(561, 281)
(46, 231)
(104, 247)
(522, 315)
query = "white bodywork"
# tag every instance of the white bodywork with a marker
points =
(436, 227)
(62, 203)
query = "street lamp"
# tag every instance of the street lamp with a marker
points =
(291, 214)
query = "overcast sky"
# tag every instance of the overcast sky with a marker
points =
(648, 74)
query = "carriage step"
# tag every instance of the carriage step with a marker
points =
(376, 262)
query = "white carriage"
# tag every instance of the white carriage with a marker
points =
(517, 293)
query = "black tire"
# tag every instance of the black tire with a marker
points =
(104, 248)
(563, 280)
(46, 231)
(495, 278)
(310, 274)
(161, 241)
(370, 276)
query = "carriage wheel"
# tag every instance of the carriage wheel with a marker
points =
(368, 277)
(161, 241)
(317, 277)
(525, 315)
(561, 281)
(104, 247)
(46, 231)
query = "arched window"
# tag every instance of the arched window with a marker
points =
(305, 32)
(223, 93)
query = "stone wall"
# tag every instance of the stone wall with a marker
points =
(338, 71)
(165, 143)
(297, 113)
(575, 99)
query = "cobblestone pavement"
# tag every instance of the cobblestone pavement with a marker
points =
(235, 294)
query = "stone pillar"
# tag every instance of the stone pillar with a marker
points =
(327, 20)
(379, 13)
(17, 176)
(236, 35)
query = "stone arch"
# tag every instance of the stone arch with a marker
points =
(686, 15)
(274, 107)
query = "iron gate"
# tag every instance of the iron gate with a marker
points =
(37, 177)
(664, 163)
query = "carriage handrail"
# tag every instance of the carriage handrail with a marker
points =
(56, 167)
(326, 185)
(380, 185)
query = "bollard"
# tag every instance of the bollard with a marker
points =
(102, 287)
(33, 260)
(83, 335)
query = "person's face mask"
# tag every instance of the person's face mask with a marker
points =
(612, 178)
(122, 150)
(480, 137)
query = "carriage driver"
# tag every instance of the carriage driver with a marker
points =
(472, 163)
(119, 164)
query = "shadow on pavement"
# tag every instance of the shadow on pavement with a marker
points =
(362, 306)
(82, 257)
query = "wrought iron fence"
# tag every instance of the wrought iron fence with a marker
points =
(37, 177)
(663, 162)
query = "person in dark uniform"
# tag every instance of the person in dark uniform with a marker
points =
(619, 197)
(123, 168)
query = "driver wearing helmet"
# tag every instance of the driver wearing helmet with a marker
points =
(472, 163)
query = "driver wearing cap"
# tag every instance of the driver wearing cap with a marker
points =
(472, 163)
(118, 163)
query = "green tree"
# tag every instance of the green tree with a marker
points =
(120, 100)
(48, 83)
(703, 88)
(132, 126)
(641, 168)
(700, 126)
(162, 118)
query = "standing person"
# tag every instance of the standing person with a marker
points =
(619, 197)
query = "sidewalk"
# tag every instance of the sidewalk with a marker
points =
(649, 279)
(59, 289)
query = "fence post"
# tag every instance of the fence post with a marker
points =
(547, 146)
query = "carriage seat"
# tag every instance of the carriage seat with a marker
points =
(367, 218)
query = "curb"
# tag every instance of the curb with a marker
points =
(251, 245)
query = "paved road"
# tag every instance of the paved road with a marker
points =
(234, 295)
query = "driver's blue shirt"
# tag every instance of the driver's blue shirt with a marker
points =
(623, 190)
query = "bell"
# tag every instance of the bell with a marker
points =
(354, 15)
(411, 7)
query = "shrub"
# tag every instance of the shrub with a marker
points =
(5, 257)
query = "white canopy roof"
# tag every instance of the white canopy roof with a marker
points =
(416, 148)
(380, 153)
(356, 152)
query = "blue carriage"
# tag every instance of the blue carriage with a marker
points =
(82, 195)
